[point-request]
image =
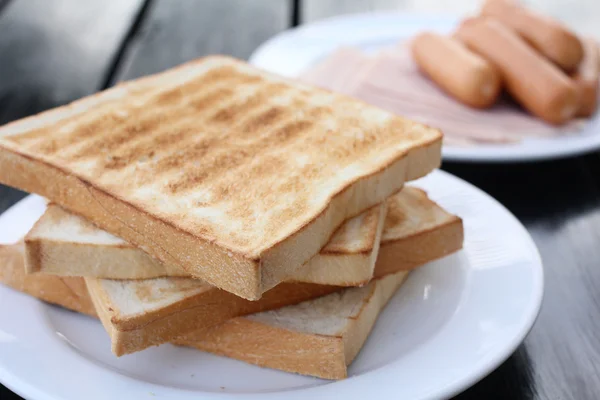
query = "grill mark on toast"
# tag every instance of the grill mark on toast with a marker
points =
(58, 138)
(225, 161)
(319, 112)
(314, 146)
(224, 185)
(147, 122)
(221, 79)
(263, 118)
(158, 142)
(105, 121)
(176, 159)
(123, 137)
(226, 73)
(211, 97)
(198, 147)
(147, 148)
(62, 141)
(230, 159)
(230, 112)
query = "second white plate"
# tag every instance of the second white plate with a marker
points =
(293, 51)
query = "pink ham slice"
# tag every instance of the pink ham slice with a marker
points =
(391, 80)
(338, 71)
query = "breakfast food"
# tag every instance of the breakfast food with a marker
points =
(318, 338)
(148, 161)
(221, 207)
(523, 79)
(417, 231)
(463, 74)
(142, 313)
(541, 87)
(548, 36)
(587, 78)
(391, 80)
(64, 244)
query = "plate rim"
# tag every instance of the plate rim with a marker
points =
(486, 153)
(503, 352)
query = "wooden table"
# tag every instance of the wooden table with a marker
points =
(55, 51)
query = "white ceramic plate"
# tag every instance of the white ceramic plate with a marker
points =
(450, 324)
(293, 51)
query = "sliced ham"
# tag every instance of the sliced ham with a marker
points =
(391, 80)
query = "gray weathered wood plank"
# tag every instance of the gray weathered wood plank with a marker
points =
(3, 3)
(55, 51)
(177, 31)
(563, 221)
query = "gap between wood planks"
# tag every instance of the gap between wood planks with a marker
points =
(296, 15)
(3, 3)
(109, 77)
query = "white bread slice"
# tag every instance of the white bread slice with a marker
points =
(61, 243)
(68, 292)
(138, 314)
(233, 174)
(319, 337)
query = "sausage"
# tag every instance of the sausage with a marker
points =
(537, 84)
(547, 35)
(457, 70)
(587, 78)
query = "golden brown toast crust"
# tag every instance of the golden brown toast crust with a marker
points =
(324, 356)
(145, 330)
(208, 308)
(239, 189)
(61, 243)
(69, 292)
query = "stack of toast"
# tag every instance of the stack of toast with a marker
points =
(220, 207)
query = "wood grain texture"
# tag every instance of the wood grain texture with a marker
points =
(177, 31)
(559, 203)
(53, 52)
(3, 3)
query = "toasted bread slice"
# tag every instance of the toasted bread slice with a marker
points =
(61, 243)
(69, 292)
(319, 337)
(139, 314)
(416, 228)
(233, 174)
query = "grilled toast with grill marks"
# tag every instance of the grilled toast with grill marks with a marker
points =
(318, 338)
(141, 313)
(233, 174)
(62, 243)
